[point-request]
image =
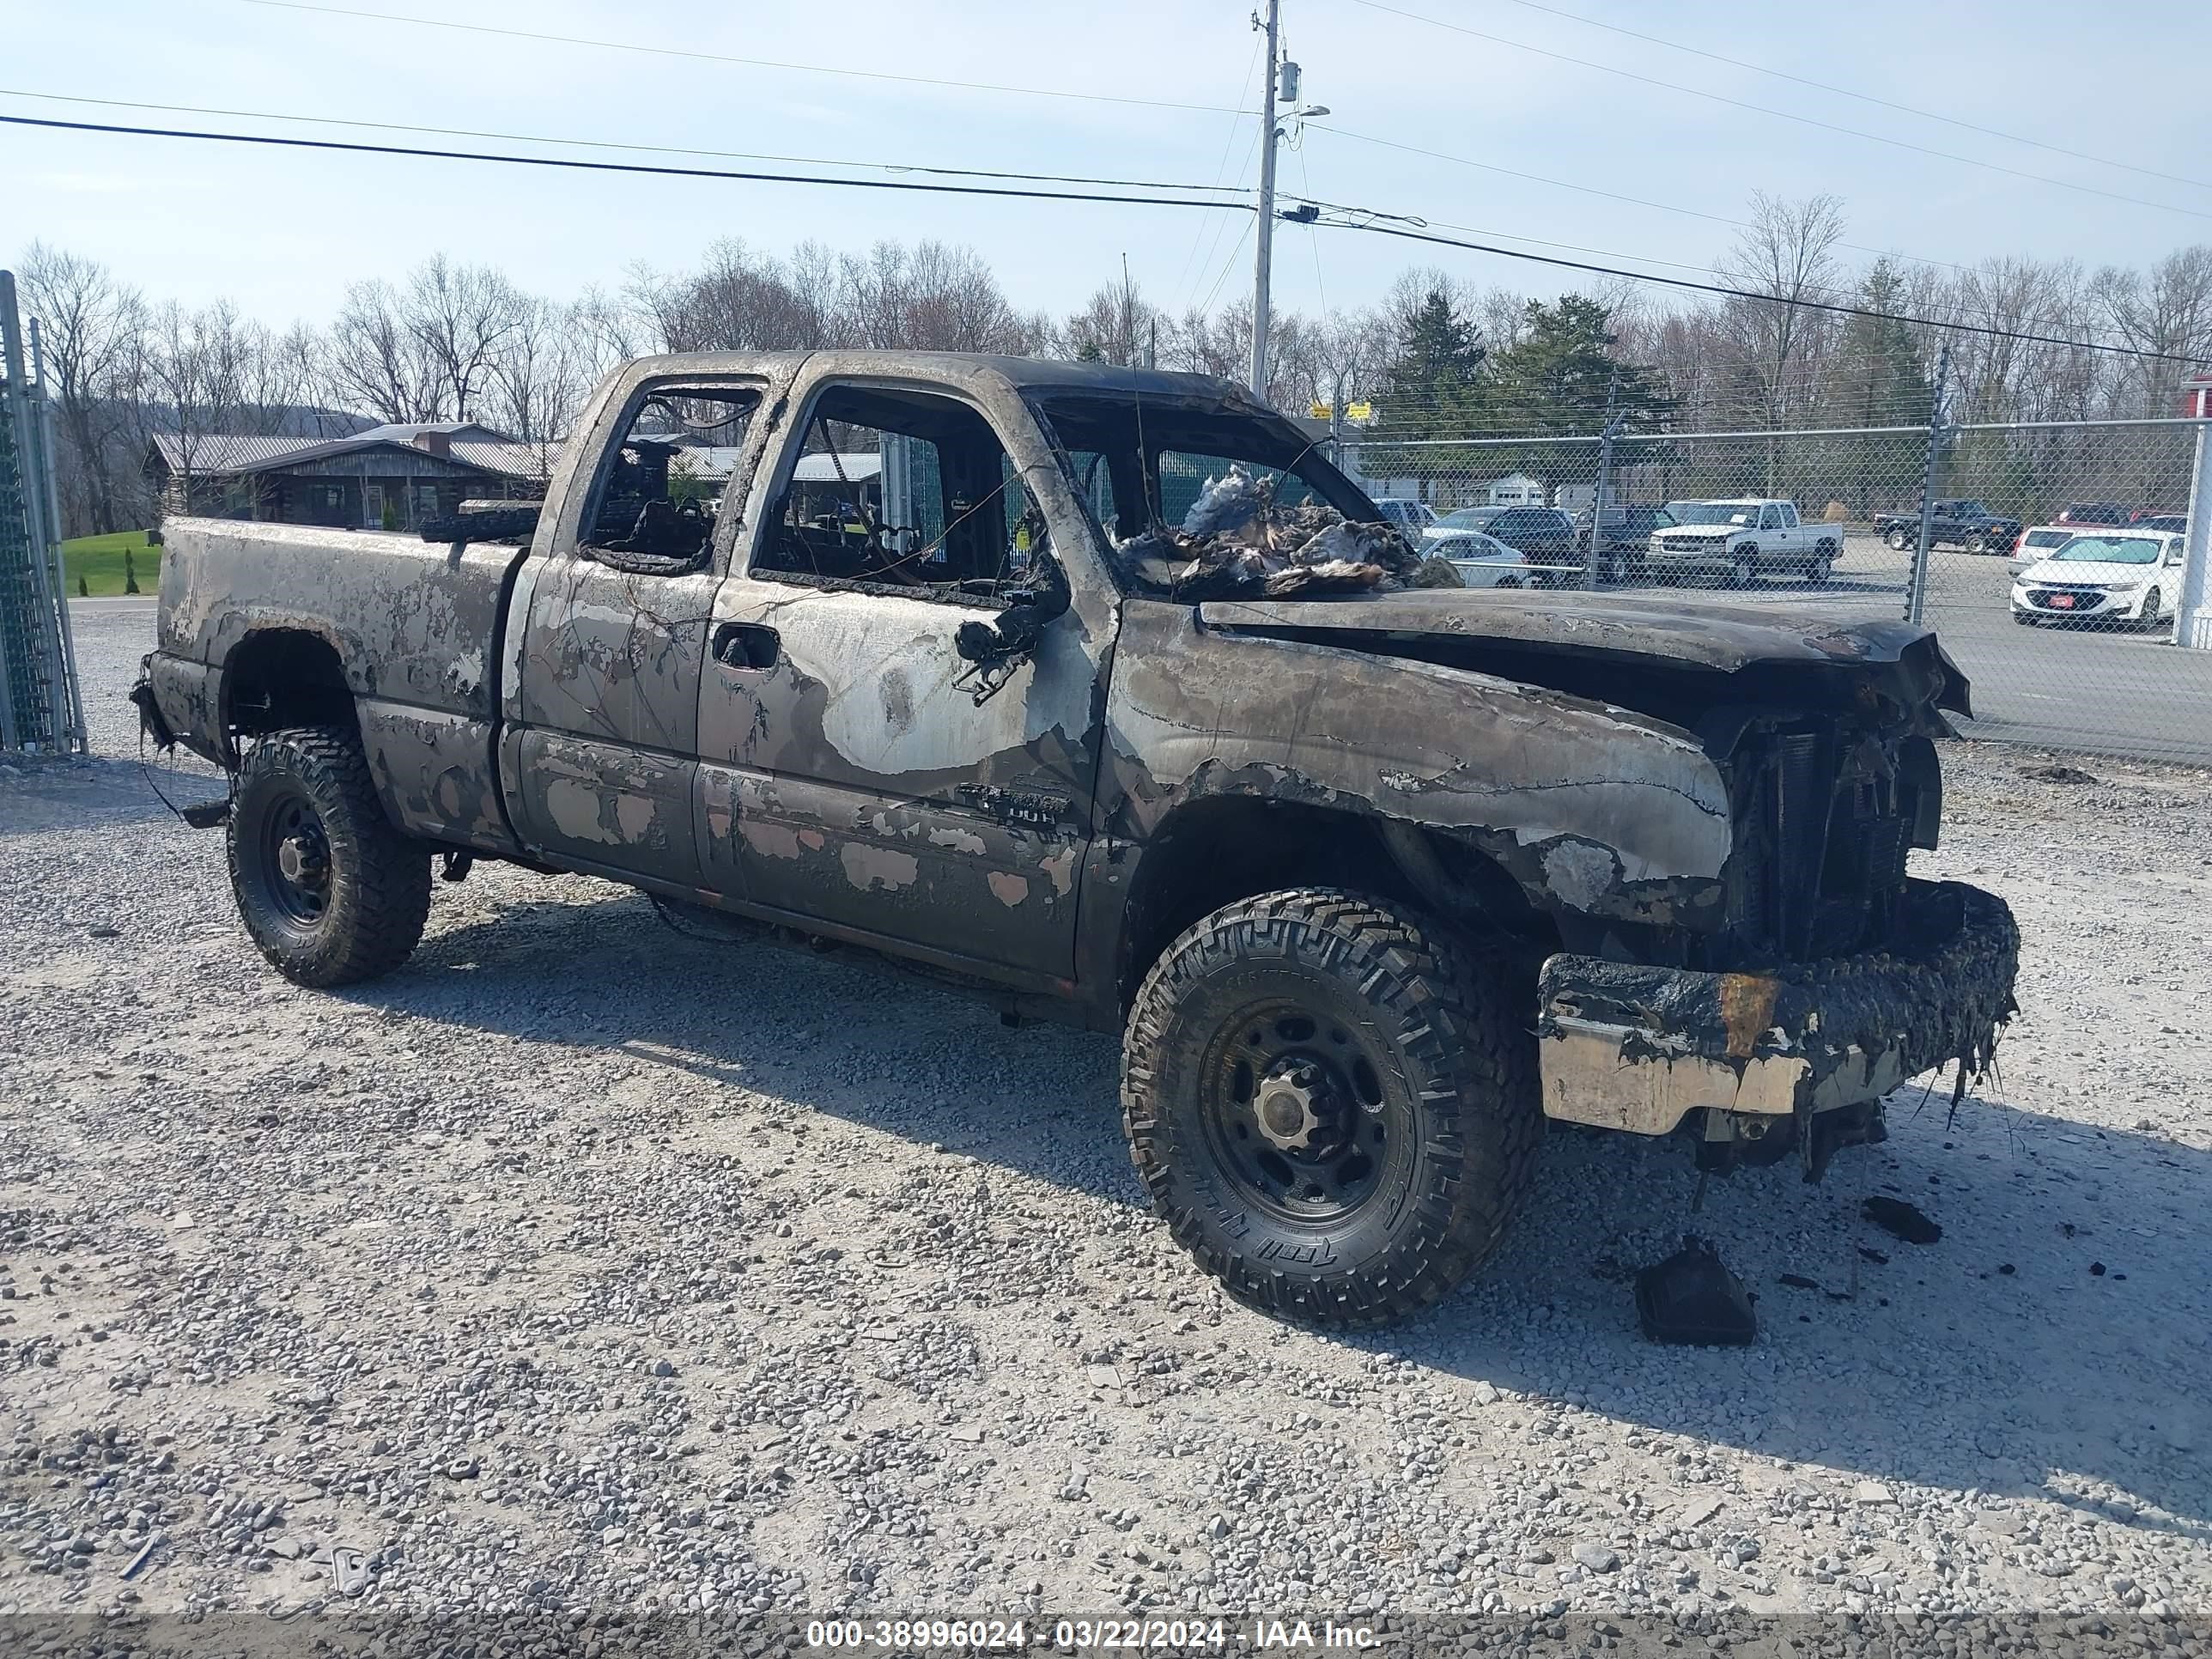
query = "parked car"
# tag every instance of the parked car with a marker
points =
(2037, 543)
(1414, 518)
(1481, 561)
(1745, 539)
(2178, 523)
(1544, 534)
(2109, 576)
(1624, 534)
(1957, 523)
(1367, 885)
(2099, 513)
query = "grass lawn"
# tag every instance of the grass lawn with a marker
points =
(98, 560)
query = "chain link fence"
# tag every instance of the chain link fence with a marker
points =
(2062, 563)
(40, 708)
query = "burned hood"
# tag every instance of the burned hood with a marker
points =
(1720, 636)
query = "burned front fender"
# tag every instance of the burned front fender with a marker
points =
(1591, 809)
(1629, 1046)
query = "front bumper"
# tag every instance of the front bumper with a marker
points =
(2036, 601)
(1629, 1047)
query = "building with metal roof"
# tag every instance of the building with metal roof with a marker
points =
(390, 477)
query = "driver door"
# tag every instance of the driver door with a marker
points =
(851, 783)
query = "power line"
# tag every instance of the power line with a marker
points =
(725, 57)
(1220, 167)
(1758, 109)
(1863, 97)
(576, 163)
(1609, 194)
(1370, 224)
(1411, 234)
(605, 143)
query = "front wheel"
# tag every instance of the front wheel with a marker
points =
(1900, 540)
(329, 889)
(1333, 1108)
(1743, 567)
(2153, 612)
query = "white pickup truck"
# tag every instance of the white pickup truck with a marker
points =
(1746, 539)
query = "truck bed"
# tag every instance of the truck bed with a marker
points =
(414, 630)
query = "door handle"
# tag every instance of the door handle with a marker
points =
(746, 645)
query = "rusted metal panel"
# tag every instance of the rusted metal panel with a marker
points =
(436, 773)
(611, 805)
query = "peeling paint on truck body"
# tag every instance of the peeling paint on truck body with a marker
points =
(1704, 789)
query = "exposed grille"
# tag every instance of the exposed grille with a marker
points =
(1824, 831)
(2066, 599)
(1688, 543)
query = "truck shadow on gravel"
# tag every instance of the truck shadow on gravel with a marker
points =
(2054, 1341)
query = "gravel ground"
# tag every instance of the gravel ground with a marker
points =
(581, 1266)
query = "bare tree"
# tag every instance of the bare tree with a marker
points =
(372, 360)
(2167, 310)
(1788, 254)
(204, 371)
(461, 318)
(540, 376)
(92, 331)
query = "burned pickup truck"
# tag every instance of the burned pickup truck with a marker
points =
(1102, 694)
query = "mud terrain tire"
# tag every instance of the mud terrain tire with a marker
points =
(328, 888)
(1418, 1057)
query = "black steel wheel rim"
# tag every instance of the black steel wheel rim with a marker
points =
(295, 860)
(1301, 1112)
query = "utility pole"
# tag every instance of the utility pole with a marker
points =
(1263, 268)
(1915, 598)
(2192, 620)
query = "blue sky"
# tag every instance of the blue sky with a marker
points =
(283, 233)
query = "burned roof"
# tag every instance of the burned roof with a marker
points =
(1023, 373)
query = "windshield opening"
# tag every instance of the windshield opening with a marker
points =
(2109, 550)
(1199, 501)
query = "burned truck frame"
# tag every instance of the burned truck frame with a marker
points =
(1107, 697)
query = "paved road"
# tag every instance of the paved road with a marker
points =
(2129, 695)
(2126, 693)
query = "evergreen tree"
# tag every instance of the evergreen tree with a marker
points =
(1562, 377)
(1432, 387)
(1879, 381)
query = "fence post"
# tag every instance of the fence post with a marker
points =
(2192, 617)
(1916, 597)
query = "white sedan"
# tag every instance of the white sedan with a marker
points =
(2110, 576)
(1481, 561)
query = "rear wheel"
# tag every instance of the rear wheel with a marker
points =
(328, 888)
(1823, 563)
(1900, 540)
(1333, 1107)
